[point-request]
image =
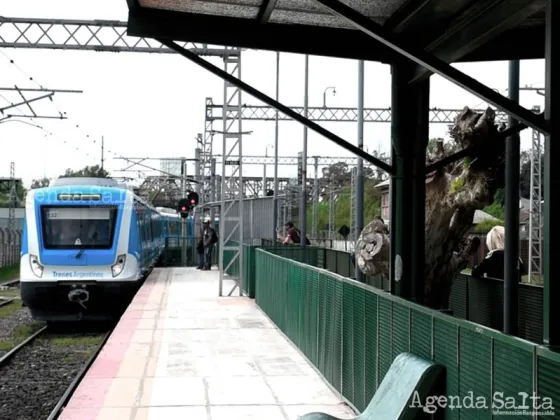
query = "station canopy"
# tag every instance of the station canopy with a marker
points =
(453, 30)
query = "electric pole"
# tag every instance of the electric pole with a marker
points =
(102, 151)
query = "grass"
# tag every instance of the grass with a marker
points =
(7, 310)
(89, 343)
(19, 335)
(10, 272)
(72, 341)
(10, 293)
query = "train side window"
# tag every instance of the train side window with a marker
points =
(140, 227)
(147, 225)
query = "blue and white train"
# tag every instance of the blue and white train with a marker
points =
(87, 245)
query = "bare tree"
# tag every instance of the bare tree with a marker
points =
(453, 194)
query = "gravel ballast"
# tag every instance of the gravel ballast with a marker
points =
(33, 381)
(15, 325)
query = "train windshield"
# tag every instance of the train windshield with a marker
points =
(78, 227)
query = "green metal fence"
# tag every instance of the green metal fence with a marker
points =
(248, 267)
(352, 332)
(476, 300)
(309, 255)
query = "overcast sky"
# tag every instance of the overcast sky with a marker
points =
(153, 105)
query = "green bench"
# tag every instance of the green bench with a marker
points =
(394, 397)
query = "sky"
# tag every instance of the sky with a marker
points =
(153, 105)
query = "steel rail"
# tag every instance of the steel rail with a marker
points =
(4, 359)
(63, 401)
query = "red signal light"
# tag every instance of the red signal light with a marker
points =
(193, 201)
(183, 208)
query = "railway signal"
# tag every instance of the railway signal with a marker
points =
(183, 207)
(193, 199)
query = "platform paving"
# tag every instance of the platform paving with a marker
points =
(182, 352)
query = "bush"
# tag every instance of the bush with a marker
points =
(486, 225)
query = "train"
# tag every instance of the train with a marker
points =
(87, 246)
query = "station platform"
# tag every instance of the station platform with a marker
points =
(182, 352)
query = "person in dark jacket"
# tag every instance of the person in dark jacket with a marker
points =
(293, 235)
(493, 264)
(209, 239)
(200, 250)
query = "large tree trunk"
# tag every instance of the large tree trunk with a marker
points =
(452, 196)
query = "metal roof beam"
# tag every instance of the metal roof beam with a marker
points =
(265, 10)
(249, 33)
(413, 16)
(476, 26)
(280, 107)
(437, 66)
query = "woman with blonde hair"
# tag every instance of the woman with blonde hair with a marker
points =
(493, 265)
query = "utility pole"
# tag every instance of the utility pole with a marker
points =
(303, 202)
(102, 152)
(183, 220)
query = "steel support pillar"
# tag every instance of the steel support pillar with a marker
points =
(511, 257)
(409, 133)
(303, 201)
(353, 199)
(331, 211)
(315, 212)
(392, 219)
(276, 217)
(359, 223)
(551, 333)
(232, 191)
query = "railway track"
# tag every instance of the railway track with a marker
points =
(5, 358)
(39, 375)
(7, 300)
(4, 302)
(9, 283)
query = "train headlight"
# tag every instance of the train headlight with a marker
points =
(117, 268)
(35, 266)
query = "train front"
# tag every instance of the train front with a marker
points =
(75, 261)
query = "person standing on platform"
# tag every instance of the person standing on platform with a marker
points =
(200, 249)
(209, 238)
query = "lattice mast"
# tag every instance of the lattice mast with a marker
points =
(535, 204)
(332, 198)
(231, 209)
(206, 166)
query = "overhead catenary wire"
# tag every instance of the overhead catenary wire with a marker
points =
(61, 112)
(76, 125)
